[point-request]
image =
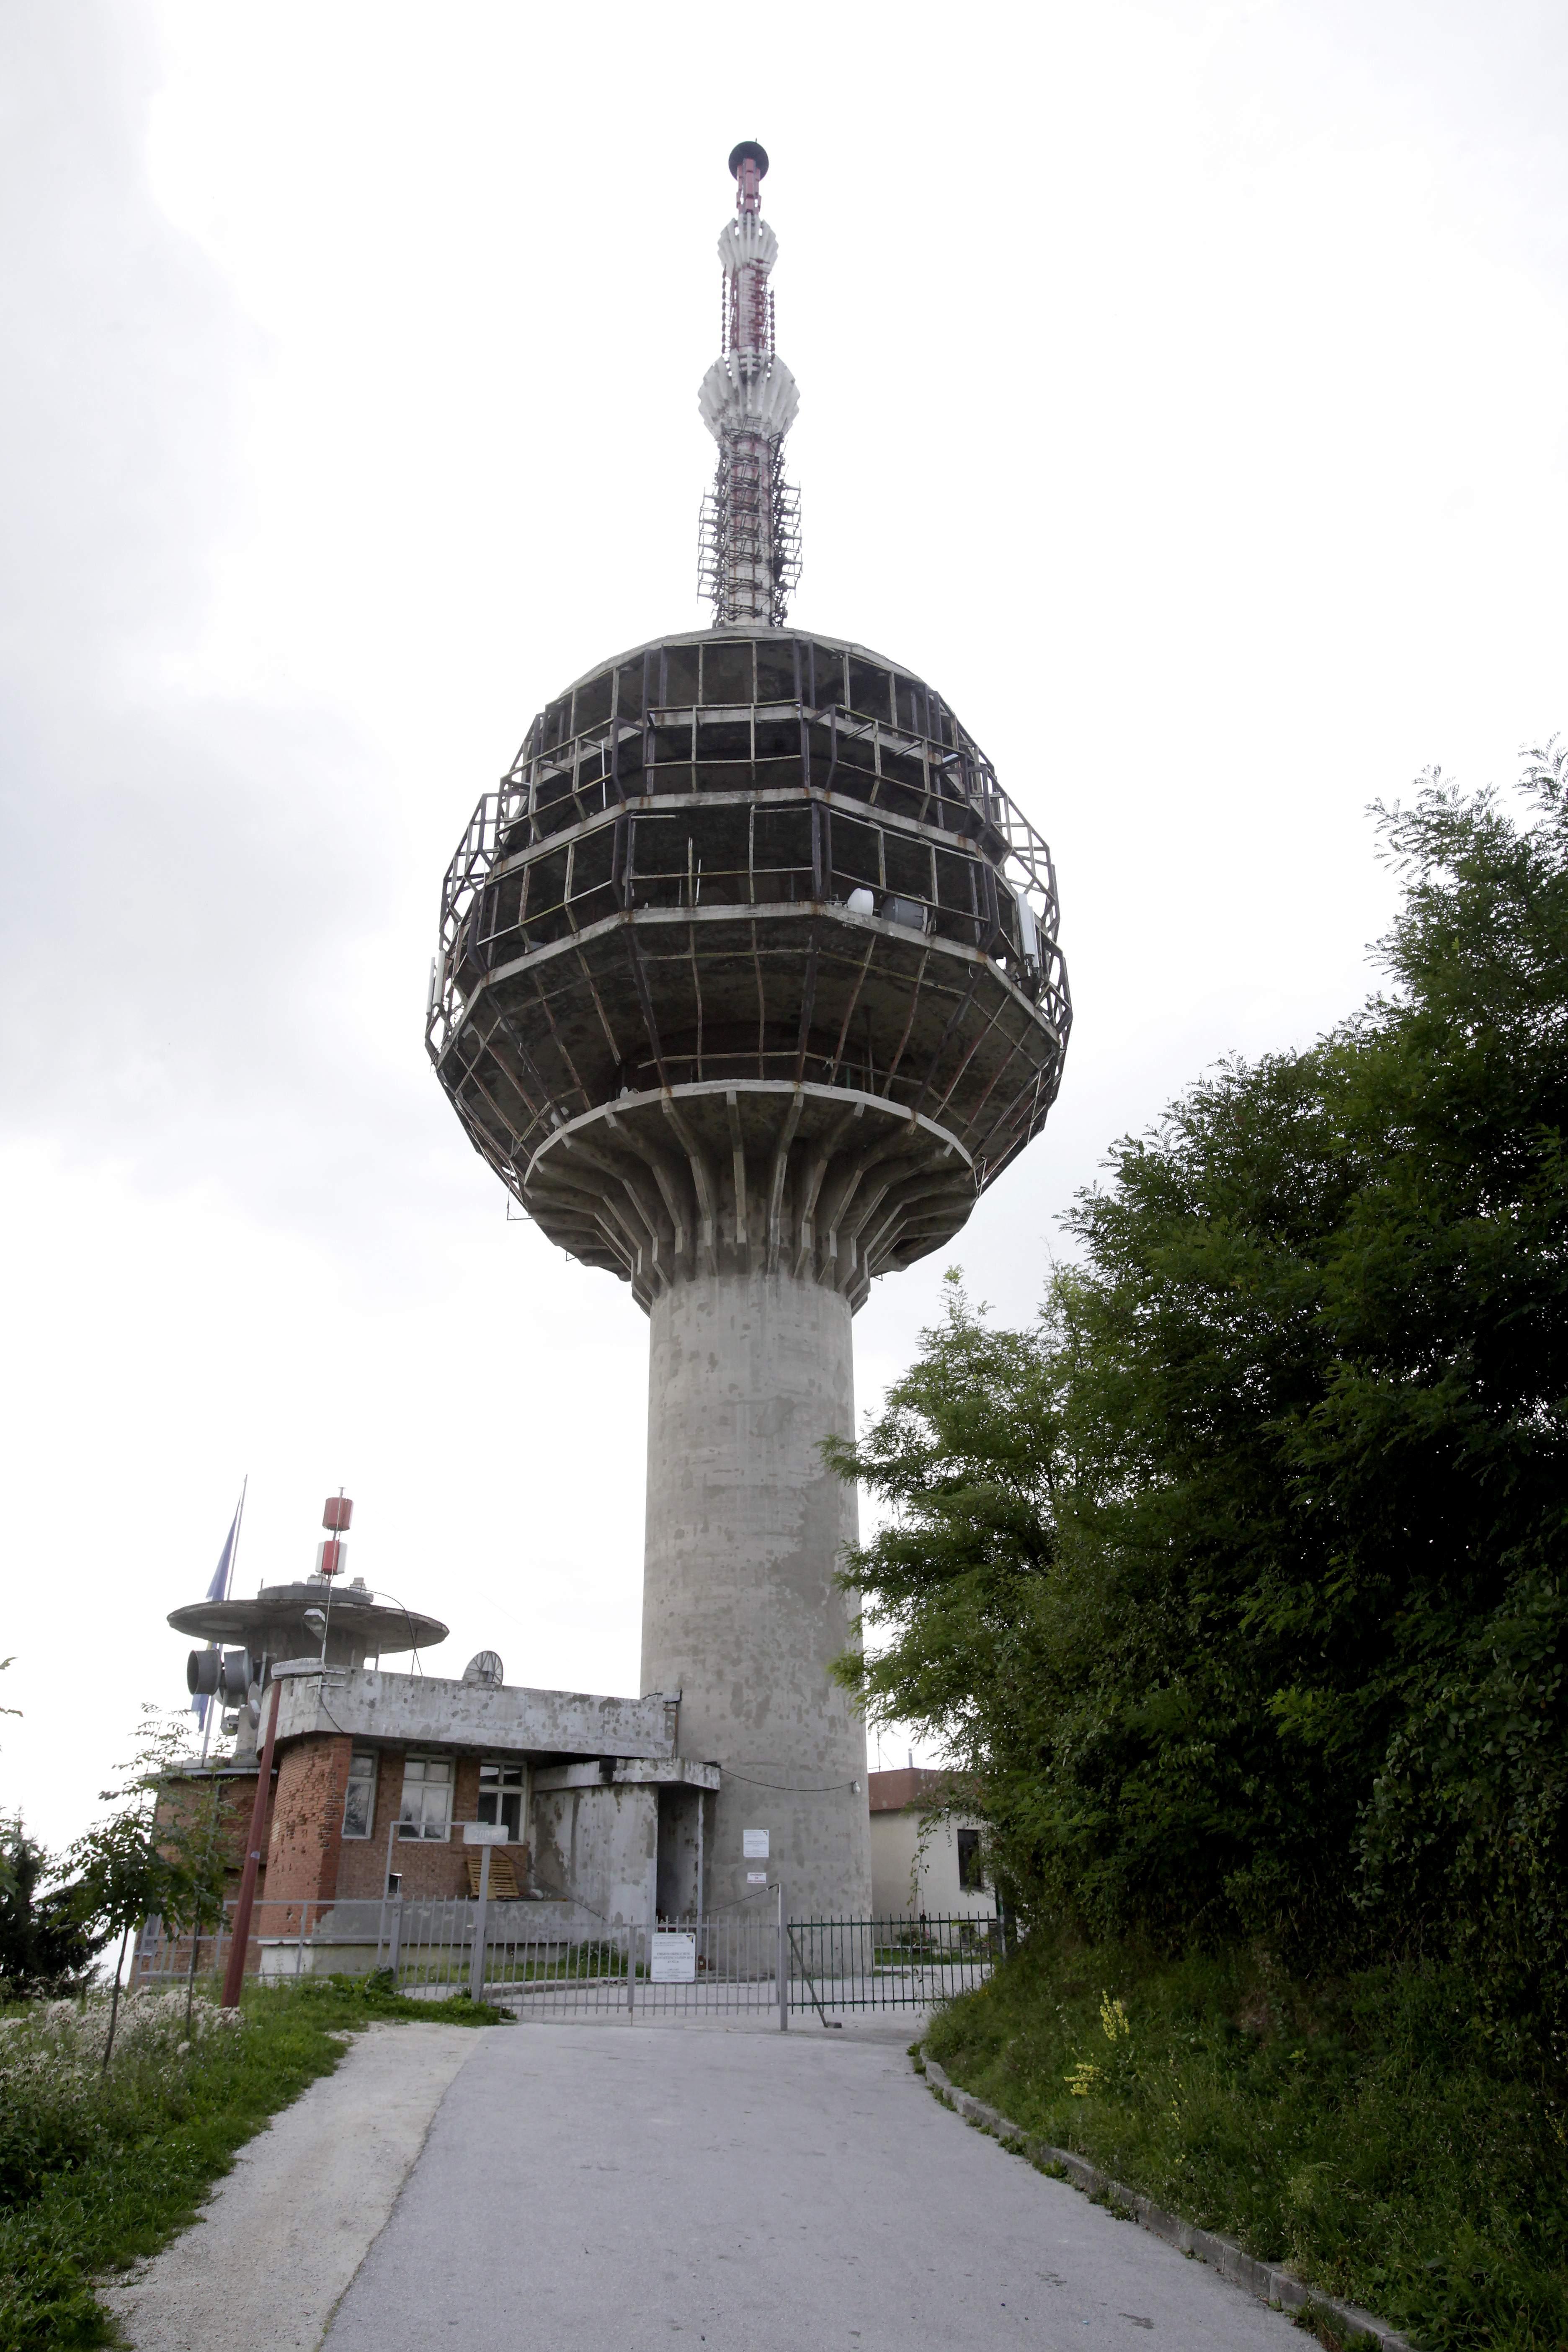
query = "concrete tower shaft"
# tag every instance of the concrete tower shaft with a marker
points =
(742, 1613)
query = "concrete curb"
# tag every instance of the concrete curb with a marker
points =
(1280, 2289)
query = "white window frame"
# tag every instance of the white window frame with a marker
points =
(510, 1780)
(358, 1778)
(424, 1778)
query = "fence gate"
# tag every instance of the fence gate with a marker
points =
(887, 1963)
(751, 1957)
(725, 1962)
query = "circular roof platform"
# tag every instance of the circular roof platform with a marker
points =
(279, 1611)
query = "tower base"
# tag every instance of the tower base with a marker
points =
(742, 1616)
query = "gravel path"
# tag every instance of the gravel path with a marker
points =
(600, 2188)
(284, 2232)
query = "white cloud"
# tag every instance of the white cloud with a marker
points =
(1183, 390)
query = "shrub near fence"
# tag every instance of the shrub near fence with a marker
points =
(98, 2169)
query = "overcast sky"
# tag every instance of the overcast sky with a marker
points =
(1183, 393)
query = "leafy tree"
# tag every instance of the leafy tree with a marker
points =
(45, 1943)
(1239, 1578)
(161, 1851)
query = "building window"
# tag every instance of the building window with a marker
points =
(971, 1873)
(501, 1798)
(426, 1809)
(359, 1804)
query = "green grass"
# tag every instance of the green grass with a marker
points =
(1370, 2134)
(96, 2171)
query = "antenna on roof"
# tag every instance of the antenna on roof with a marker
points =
(748, 539)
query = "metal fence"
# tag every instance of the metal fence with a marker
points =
(724, 1963)
(914, 1963)
(286, 1939)
(749, 1958)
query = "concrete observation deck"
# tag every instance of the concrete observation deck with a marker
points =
(749, 962)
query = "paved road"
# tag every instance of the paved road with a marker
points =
(280, 2239)
(600, 2188)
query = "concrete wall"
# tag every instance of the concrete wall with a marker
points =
(683, 1816)
(910, 1875)
(745, 1531)
(420, 1709)
(598, 1846)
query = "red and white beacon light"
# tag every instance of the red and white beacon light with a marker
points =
(333, 1557)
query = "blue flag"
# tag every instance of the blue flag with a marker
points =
(218, 1591)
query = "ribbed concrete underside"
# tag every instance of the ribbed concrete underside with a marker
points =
(746, 1528)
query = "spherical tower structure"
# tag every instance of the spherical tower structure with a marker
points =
(748, 985)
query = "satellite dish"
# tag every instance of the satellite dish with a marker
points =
(253, 1704)
(485, 1670)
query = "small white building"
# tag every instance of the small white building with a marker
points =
(936, 1872)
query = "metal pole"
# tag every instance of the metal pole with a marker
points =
(477, 1964)
(227, 1589)
(631, 1935)
(300, 1956)
(241, 1944)
(702, 1808)
(238, 1529)
(784, 1967)
(386, 1888)
(396, 1954)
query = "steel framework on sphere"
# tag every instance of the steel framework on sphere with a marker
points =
(750, 958)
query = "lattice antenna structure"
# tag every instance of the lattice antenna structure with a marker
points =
(749, 559)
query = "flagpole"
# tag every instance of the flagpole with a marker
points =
(233, 1548)
(238, 1525)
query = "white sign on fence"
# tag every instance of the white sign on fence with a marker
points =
(755, 1844)
(673, 1958)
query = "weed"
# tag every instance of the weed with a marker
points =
(98, 2169)
(1368, 2134)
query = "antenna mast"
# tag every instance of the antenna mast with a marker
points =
(750, 540)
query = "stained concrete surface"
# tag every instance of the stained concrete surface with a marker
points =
(285, 2231)
(742, 1612)
(601, 2187)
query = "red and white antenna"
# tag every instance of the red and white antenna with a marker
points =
(750, 540)
(337, 1516)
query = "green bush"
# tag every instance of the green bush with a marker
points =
(1367, 2132)
(98, 2169)
(1237, 1585)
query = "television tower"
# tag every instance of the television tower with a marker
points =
(748, 985)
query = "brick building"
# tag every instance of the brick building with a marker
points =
(376, 1773)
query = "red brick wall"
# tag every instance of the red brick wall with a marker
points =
(428, 1867)
(188, 1800)
(310, 1861)
(307, 1828)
